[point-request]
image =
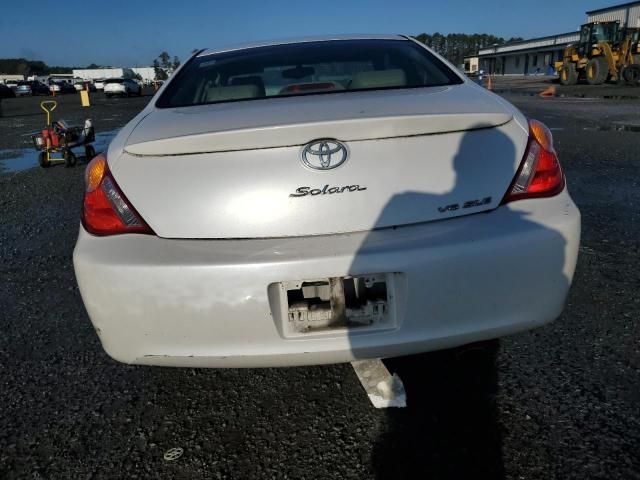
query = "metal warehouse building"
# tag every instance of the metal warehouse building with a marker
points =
(537, 55)
(100, 73)
(148, 74)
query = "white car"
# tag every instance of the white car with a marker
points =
(99, 84)
(12, 84)
(61, 87)
(320, 201)
(122, 87)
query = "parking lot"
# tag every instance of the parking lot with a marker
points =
(560, 402)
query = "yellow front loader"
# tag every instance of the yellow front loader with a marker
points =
(605, 52)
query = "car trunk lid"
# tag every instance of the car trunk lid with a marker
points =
(295, 121)
(235, 170)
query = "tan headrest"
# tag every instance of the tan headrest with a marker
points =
(379, 79)
(236, 92)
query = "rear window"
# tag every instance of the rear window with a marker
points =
(336, 66)
(114, 80)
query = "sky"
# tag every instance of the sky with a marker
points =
(132, 33)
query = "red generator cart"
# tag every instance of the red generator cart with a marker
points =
(57, 139)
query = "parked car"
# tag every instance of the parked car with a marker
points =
(61, 87)
(31, 88)
(99, 84)
(79, 86)
(322, 201)
(12, 84)
(121, 86)
(40, 87)
(6, 92)
(24, 88)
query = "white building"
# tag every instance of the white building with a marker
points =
(533, 56)
(628, 14)
(148, 74)
(100, 73)
(537, 55)
(8, 76)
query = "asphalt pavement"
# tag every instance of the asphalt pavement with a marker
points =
(559, 402)
(534, 84)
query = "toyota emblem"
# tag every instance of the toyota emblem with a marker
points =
(324, 154)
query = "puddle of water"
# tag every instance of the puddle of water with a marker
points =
(15, 160)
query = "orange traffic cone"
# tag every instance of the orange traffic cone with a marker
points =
(550, 91)
(489, 83)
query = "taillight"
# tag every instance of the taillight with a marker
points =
(540, 174)
(106, 211)
(304, 87)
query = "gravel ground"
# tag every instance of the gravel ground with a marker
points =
(20, 117)
(561, 402)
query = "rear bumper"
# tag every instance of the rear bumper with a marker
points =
(115, 91)
(206, 303)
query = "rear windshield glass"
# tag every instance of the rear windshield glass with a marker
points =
(336, 66)
(114, 80)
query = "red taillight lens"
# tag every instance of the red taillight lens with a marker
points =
(106, 211)
(539, 174)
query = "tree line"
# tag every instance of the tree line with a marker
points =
(22, 66)
(455, 46)
(163, 64)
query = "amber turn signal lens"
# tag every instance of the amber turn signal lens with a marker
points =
(106, 211)
(542, 134)
(95, 172)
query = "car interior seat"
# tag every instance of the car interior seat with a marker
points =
(252, 80)
(379, 79)
(235, 92)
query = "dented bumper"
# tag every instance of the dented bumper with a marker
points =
(220, 303)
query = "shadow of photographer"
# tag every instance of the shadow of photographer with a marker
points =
(450, 428)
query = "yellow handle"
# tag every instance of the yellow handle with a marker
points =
(48, 106)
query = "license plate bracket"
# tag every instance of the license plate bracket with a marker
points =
(333, 304)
